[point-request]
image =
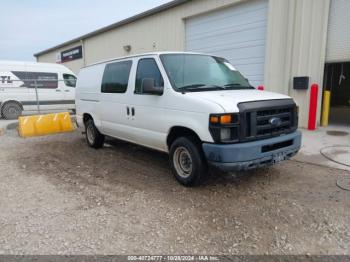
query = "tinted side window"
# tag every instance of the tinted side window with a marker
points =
(147, 68)
(69, 80)
(115, 77)
(42, 79)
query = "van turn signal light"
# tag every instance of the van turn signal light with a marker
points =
(226, 119)
(221, 119)
(214, 119)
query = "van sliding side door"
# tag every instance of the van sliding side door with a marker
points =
(113, 106)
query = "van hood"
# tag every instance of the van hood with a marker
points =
(230, 99)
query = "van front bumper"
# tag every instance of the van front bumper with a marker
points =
(250, 155)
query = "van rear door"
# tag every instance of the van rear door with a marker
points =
(13, 83)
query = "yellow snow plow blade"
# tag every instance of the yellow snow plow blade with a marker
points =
(41, 125)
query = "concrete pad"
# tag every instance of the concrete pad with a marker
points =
(339, 154)
(315, 141)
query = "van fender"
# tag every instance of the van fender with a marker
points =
(96, 119)
(197, 125)
(2, 103)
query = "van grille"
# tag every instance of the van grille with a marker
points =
(265, 119)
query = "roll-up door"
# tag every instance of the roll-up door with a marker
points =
(237, 33)
(338, 37)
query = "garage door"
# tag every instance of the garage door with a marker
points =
(237, 33)
(338, 39)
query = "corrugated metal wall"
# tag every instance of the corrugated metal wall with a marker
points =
(237, 33)
(295, 45)
(74, 65)
(162, 31)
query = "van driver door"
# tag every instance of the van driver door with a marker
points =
(148, 114)
(68, 85)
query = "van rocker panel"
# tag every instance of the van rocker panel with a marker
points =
(249, 155)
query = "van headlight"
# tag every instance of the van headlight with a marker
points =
(224, 128)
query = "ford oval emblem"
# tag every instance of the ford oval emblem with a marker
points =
(275, 121)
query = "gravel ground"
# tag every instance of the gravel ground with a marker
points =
(57, 196)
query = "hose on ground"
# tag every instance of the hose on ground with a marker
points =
(338, 183)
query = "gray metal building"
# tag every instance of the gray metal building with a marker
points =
(270, 41)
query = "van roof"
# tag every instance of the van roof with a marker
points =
(146, 54)
(53, 66)
(14, 63)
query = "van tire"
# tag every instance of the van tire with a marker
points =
(11, 110)
(93, 137)
(187, 161)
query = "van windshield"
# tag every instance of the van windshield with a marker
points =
(196, 73)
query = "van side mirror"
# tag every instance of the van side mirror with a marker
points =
(149, 88)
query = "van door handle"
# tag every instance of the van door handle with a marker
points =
(58, 90)
(66, 90)
(127, 110)
(132, 111)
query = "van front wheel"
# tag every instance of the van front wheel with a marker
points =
(187, 162)
(93, 137)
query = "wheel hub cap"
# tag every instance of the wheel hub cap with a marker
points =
(90, 134)
(183, 162)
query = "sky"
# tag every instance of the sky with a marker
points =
(30, 26)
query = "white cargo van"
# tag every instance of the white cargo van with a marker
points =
(196, 107)
(55, 87)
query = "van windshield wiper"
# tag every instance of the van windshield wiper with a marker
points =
(200, 87)
(237, 86)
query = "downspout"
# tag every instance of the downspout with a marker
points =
(83, 48)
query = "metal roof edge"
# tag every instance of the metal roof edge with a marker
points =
(128, 20)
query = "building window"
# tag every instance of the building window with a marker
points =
(116, 77)
(147, 68)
